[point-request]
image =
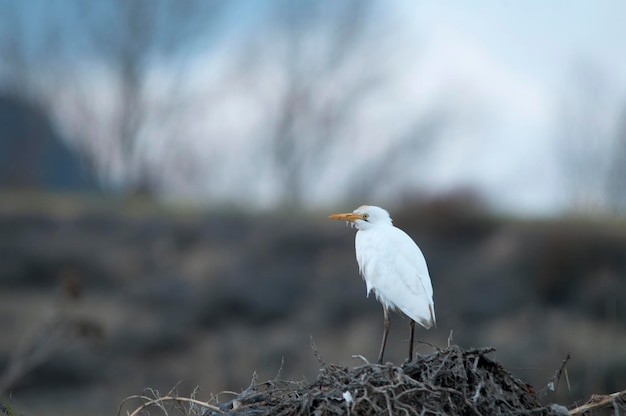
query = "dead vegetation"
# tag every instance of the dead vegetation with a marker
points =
(450, 381)
(172, 269)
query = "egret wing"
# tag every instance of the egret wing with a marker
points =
(394, 267)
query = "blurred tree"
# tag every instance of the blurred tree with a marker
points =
(22, 50)
(333, 61)
(585, 136)
(315, 101)
(130, 39)
(305, 84)
(14, 68)
(33, 155)
(616, 181)
(406, 151)
(592, 148)
(114, 114)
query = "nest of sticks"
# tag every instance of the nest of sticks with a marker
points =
(450, 381)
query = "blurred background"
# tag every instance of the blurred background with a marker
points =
(167, 167)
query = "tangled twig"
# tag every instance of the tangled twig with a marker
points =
(447, 381)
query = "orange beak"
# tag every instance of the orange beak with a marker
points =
(351, 216)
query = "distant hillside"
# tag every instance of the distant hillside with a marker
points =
(32, 153)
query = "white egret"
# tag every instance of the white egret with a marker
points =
(392, 266)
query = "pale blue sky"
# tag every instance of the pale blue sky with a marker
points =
(517, 59)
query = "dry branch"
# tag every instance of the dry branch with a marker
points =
(160, 401)
(600, 401)
(448, 381)
(553, 383)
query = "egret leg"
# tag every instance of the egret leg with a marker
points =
(412, 324)
(385, 333)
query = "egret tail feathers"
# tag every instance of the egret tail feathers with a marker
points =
(433, 320)
(429, 322)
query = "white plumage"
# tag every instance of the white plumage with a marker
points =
(393, 267)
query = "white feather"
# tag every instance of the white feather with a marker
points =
(393, 266)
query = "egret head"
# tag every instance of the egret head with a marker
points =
(364, 217)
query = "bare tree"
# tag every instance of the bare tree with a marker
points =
(616, 179)
(321, 41)
(585, 130)
(592, 148)
(320, 51)
(14, 68)
(113, 117)
(20, 54)
(329, 64)
(406, 151)
(333, 61)
(130, 38)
